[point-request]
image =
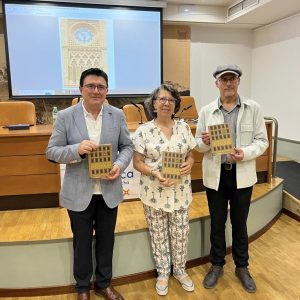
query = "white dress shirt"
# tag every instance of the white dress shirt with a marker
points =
(94, 127)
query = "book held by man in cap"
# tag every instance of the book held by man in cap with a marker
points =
(220, 139)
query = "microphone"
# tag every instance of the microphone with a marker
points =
(141, 122)
(183, 110)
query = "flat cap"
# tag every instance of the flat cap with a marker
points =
(223, 69)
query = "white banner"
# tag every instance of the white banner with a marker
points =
(131, 182)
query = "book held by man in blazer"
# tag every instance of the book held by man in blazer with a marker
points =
(100, 161)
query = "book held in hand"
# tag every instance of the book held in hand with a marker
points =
(171, 163)
(100, 161)
(220, 139)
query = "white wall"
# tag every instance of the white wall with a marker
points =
(270, 60)
(215, 45)
(276, 74)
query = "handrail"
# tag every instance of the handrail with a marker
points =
(274, 143)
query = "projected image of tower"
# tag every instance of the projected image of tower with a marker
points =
(84, 45)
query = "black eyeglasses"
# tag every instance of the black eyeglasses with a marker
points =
(93, 87)
(164, 100)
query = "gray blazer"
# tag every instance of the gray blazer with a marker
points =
(69, 130)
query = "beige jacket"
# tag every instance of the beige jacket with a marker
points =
(251, 137)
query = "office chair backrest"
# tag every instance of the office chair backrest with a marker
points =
(75, 100)
(190, 113)
(17, 112)
(133, 114)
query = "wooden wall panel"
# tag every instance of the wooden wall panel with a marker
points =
(197, 156)
(25, 171)
(176, 48)
(26, 165)
(196, 171)
(262, 163)
(29, 184)
(26, 145)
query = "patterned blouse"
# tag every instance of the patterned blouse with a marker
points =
(150, 141)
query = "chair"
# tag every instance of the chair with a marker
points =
(75, 100)
(185, 112)
(134, 114)
(17, 112)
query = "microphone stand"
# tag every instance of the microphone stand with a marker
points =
(183, 110)
(141, 122)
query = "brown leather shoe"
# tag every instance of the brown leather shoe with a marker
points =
(108, 293)
(83, 296)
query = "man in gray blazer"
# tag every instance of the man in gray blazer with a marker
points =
(92, 204)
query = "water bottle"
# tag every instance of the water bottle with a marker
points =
(54, 114)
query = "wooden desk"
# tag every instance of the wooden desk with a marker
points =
(28, 179)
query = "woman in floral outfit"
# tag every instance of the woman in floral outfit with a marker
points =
(165, 201)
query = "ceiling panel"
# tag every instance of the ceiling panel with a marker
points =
(204, 2)
(263, 13)
(268, 13)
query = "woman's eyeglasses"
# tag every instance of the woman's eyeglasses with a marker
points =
(164, 100)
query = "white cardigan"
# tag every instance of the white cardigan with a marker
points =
(251, 137)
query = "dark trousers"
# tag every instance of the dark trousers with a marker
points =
(239, 200)
(102, 219)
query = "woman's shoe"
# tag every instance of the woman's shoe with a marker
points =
(161, 286)
(186, 282)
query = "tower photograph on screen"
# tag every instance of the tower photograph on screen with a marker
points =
(84, 44)
(49, 44)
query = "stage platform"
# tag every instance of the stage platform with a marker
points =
(36, 245)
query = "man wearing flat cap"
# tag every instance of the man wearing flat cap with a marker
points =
(230, 177)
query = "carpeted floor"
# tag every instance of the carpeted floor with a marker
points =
(290, 172)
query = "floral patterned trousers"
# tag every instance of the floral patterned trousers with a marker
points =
(168, 229)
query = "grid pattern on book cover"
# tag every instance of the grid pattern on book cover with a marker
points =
(171, 162)
(100, 161)
(220, 139)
